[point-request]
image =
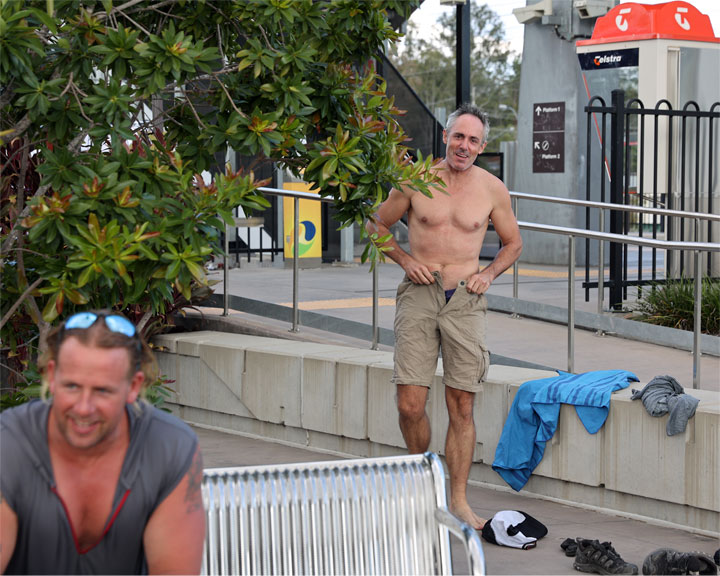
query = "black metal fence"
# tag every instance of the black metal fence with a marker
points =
(658, 158)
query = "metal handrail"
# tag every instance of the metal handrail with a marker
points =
(296, 195)
(602, 206)
(634, 240)
(696, 247)
(619, 207)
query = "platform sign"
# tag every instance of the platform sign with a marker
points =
(548, 142)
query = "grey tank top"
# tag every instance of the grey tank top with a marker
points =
(158, 457)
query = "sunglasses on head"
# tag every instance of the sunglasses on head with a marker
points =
(114, 322)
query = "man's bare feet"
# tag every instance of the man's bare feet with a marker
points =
(466, 514)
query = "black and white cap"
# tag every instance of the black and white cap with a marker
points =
(513, 528)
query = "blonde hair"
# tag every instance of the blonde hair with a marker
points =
(99, 335)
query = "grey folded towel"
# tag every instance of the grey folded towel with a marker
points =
(662, 395)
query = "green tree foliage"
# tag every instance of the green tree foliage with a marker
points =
(111, 110)
(428, 63)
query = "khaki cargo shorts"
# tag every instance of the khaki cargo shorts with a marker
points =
(425, 323)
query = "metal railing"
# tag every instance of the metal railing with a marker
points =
(602, 207)
(698, 248)
(296, 195)
(665, 158)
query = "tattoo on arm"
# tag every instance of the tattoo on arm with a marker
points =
(193, 497)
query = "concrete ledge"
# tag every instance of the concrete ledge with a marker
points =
(339, 399)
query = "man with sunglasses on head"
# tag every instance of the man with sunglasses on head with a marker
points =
(96, 480)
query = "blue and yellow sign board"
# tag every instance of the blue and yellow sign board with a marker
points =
(309, 236)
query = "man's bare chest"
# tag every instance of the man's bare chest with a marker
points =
(463, 212)
(87, 496)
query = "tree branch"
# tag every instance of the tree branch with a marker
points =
(10, 158)
(127, 5)
(74, 145)
(193, 109)
(19, 301)
(228, 96)
(19, 129)
(24, 161)
(144, 320)
(156, 5)
(7, 96)
(128, 17)
(12, 237)
(43, 326)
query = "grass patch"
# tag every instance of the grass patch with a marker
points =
(673, 304)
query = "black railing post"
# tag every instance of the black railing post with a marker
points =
(617, 123)
(464, 30)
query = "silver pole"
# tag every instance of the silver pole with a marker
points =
(296, 257)
(226, 295)
(375, 328)
(571, 305)
(697, 352)
(516, 268)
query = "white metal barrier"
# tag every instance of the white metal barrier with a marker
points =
(368, 516)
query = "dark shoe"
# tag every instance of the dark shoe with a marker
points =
(569, 545)
(599, 558)
(669, 561)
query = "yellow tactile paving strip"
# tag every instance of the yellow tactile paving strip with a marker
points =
(341, 303)
(366, 302)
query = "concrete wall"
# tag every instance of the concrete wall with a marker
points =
(550, 73)
(340, 399)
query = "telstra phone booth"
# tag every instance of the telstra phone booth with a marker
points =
(667, 57)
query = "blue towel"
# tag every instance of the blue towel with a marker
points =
(534, 414)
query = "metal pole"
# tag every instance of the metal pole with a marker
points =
(296, 257)
(617, 130)
(516, 267)
(601, 268)
(571, 305)
(697, 352)
(462, 54)
(226, 295)
(375, 327)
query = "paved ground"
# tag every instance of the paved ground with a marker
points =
(632, 539)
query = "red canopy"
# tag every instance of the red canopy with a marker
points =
(675, 20)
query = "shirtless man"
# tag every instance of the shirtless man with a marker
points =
(95, 481)
(441, 301)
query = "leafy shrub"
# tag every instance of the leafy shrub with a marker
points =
(114, 114)
(673, 304)
(160, 391)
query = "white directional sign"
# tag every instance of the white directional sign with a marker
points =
(549, 137)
